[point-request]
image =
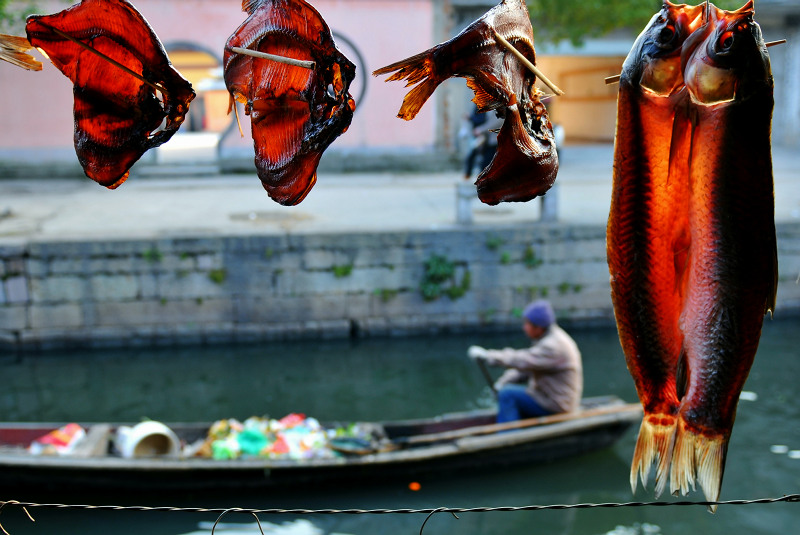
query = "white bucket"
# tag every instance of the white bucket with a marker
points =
(147, 439)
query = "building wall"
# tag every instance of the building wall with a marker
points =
(240, 289)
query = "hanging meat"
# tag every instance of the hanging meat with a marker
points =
(648, 226)
(732, 268)
(127, 96)
(525, 163)
(691, 235)
(295, 111)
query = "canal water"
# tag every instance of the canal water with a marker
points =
(400, 378)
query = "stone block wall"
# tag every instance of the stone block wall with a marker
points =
(251, 288)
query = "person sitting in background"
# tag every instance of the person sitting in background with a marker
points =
(546, 378)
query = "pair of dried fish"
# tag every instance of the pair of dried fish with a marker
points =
(691, 233)
(296, 112)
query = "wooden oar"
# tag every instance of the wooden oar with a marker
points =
(519, 424)
(486, 375)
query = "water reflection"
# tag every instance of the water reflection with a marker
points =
(401, 378)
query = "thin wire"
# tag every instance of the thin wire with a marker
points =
(439, 510)
(789, 498)
(233, 510)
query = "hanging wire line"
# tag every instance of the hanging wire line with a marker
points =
(788, 498)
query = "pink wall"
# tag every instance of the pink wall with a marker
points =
(36, 108)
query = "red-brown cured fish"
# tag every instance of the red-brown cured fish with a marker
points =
(295, 112)
(691, 236)
(118, 116)
(648, 226)
(732, 272)
(525, 164)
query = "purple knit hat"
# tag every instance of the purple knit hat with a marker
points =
(540, 313)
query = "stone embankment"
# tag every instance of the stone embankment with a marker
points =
(253, 288)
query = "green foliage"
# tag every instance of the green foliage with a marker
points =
(566, 287)
(530, 258)
(440, 278)
(494, 242)
(576, 20)
(342, 271)
(153, 255)
(218, 276)
(458, 290)
(386, 294)
(505, 258)
(13, 13)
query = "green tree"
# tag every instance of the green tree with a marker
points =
(576, 20)
(13, 13)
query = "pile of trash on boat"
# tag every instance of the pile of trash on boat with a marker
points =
(294, 436)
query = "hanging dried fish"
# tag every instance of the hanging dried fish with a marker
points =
(296, 112)
(128, 97)
(525, 164)
(691, 234)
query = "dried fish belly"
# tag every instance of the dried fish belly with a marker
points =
(296, 112)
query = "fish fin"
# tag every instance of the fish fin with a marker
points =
(698, 460)
(13, 50)
(418, 70)
(654, 445)
(249, 6)
(483, 100)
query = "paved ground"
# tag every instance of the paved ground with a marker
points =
(153, 207)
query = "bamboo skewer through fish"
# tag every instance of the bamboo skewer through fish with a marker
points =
(105, 57)
(280, 59)
(528, 64)
(615, 79)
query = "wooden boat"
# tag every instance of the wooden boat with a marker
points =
(449, 442)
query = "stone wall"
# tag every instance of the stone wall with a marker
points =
(241, 289)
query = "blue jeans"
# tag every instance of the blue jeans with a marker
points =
(514, 403)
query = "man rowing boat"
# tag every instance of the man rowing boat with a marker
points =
(545, 378)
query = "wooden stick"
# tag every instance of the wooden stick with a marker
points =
(528, 64)
(486, 375)
(103, 56)
(280, 59)
(615, 79)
